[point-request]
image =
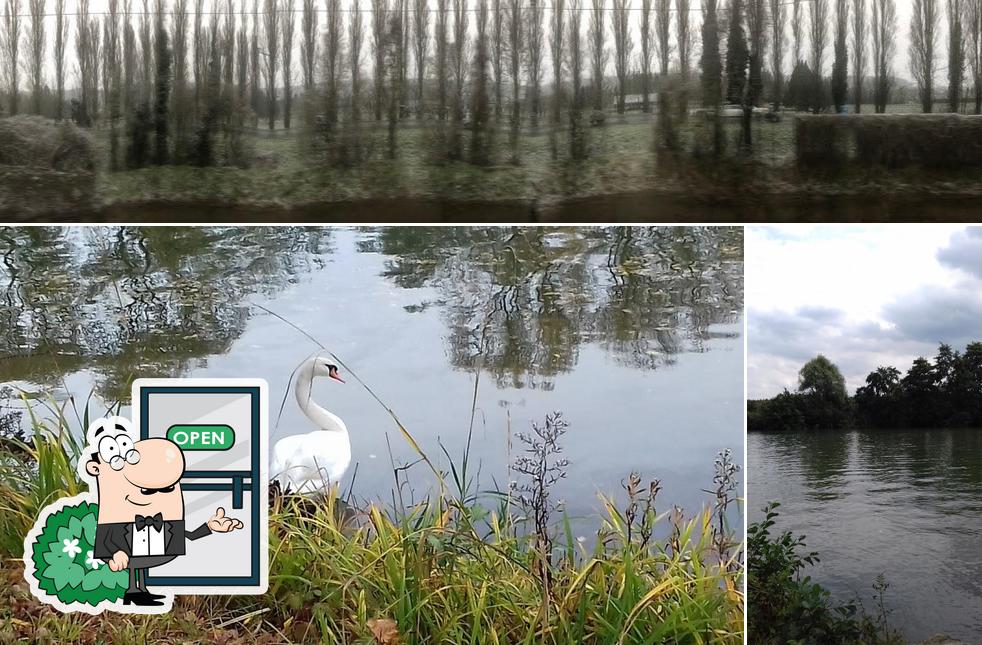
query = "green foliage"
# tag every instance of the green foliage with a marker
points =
(945, 393)
(787, 607)
(64, 563)
(454, 567)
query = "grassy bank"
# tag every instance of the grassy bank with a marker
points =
(786, 606)
(459, 567)
(621, 177)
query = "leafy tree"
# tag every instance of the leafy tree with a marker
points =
(826, 402)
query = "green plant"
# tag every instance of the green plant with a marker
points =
(786, 607)
(64, 564)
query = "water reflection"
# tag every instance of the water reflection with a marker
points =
(904, 503)
(126, 302)
(521, 302)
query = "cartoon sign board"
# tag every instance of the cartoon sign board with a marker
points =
(176, 505)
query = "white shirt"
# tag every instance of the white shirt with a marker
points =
(148, 541)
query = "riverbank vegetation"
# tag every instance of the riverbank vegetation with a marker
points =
(499, 100)
(786, 606)
(945, 392)
(458, 565)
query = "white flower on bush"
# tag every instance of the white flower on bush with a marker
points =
(92, 561)
(71, 547)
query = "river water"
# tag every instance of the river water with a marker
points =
(906, 504)
(635, 334)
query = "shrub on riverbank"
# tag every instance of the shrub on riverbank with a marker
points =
(453, 568)
(787, 607)
(40, 142)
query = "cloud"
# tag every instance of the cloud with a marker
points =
(933, 314)
(863, 296)
(964, 251)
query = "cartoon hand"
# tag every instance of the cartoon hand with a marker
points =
(221, 524)
(119, 561)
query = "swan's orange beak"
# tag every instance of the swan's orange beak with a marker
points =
(334, 375)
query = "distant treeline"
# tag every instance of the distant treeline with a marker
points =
(945, 392)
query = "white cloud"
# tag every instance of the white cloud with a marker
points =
(862, 295)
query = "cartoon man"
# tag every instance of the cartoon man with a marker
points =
(141, 506)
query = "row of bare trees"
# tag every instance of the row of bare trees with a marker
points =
(183, 70)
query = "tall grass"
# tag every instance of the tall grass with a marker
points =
(458, 567)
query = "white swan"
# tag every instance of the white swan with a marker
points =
(311, 463)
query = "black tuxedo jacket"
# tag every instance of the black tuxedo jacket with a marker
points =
(110, 538)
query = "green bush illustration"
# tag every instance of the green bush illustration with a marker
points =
(64, 563)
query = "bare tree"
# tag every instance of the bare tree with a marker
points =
(162, 82)
(459, 75)
(201, 55)
(112, 72)
(86, 53)
(380, 11)
(287, 23)
(973, 16)
(515, 41)
(308, 43)
(923, 41)
(179, 26)
(480, 99)
(577, 132)
(441, 58)
(712, 69)
(683, 37)
(146, 54)
(11, 50)
(129, 59)
(663, 30)
(840, 65)
(779, 19)
(35, 52)
(61, 41)
(242, 56)
(646, 29)
(332, 61)
(254, 66)
(421, 31)
(667, 138)
(228, 60)
(392, 46)
(859, 35)
(819, 42)
(797, 39)
(536, 13)
(623, 44)
(884, 27)
(405, 26)
(355, 39)
(598, 52)
(556, 43)
(757, 35)
(497, 44)
(272, 23)
(956, 53)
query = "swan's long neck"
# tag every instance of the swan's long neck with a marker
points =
(323, 419)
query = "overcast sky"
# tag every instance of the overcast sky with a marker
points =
(900, 67)
(863, 296)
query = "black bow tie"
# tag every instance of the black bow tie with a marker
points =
(157, 521)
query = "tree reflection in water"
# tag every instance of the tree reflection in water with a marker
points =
(520, 302)
(123, 302)
(126, 301)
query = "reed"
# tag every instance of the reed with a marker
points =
(461, 566)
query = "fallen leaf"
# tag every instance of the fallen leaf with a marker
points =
(385, 631)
